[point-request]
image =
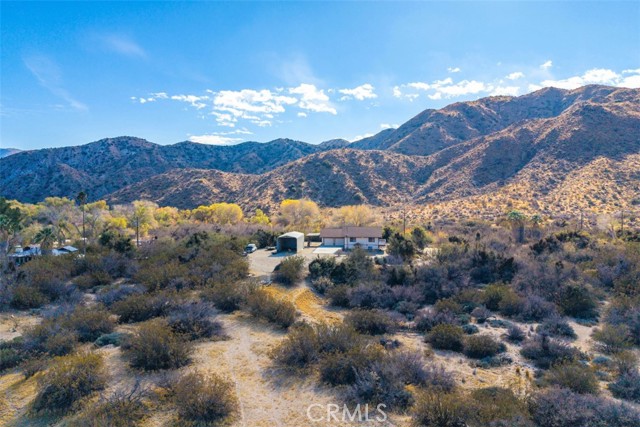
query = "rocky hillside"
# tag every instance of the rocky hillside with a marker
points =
(108, 165)
(434, 130)
(588, 156)
(550, 150)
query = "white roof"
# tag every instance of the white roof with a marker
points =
(294, 234)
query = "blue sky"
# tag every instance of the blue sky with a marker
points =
(225, 72)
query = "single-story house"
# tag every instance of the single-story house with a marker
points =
(64, 250)
(369, 238)
(291, 241)
(22, 255)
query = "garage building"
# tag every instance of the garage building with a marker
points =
(291, 241)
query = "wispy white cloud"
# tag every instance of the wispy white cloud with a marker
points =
(215, 139)
(122, 44)
(388, 126)
(454, 69)
(600, 76)
(359, 137)
(302, 114)
(313, 99)
(506, 91)
(546, 65)
(49, 75)
(362, 92)
(515, 76)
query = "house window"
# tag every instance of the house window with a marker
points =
(352, 239)
(372, 239)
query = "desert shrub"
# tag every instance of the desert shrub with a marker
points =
(141, 307)
(46, 276)
(627, 385)
(446, 337)
(290, 269)
(379, 383)
(497, 407)
(564, 408)
(24, 297)
(110, 295)
(470, 329)
(481, 346)
(69, 379)
(114, 338)
(556, 326)
(511, 304)
(89, 322)
(576, 377)
(155, 346)
(299, 348)
(434, 408)
(123, 408)
(612, 338)
(370, 322)
(625, 311)
(227, 296)
(493, 295)
(194, 321)
(371, 295)
(321, 267)
(50, 336)
(204, 398)
(515, 334)
(577, 301)
(305, 344)
(338, 296)
(10, 358)
(263, 305)
(428, 319)
(544, 351)
(481, 314)
(338, 368)
(447, 306)
(536, 308)
(322, 284)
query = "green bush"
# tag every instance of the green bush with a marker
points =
(10, 358)
(577, 301)
(24, 297)
(545, 352)
(289, 271)
(227, 296)
(322, 267)
(576, 377)
(370, 322)
(481, 346)
(155, 346)
(446, 337)
(89, 322)
(141, 307)
(204, 398)
(612, 338)
(114, 338)
(69, 379)
(263, 305)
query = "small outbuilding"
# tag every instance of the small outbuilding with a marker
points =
(291, 241)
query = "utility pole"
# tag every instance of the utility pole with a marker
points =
(622, 224)
(581, 219)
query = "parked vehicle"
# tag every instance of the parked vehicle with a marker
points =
(250, 248)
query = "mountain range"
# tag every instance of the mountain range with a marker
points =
(553, 150)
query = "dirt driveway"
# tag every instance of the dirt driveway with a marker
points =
(262, 262)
